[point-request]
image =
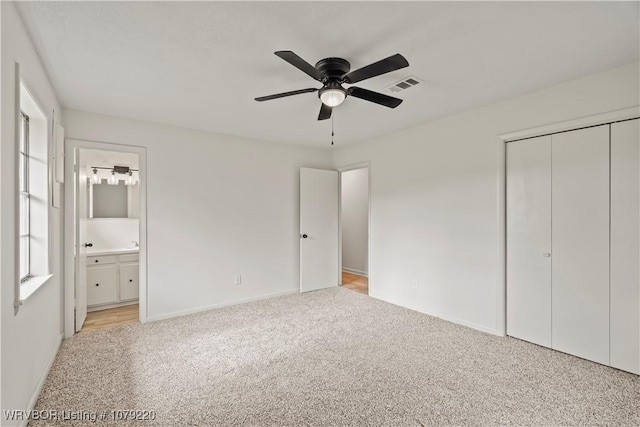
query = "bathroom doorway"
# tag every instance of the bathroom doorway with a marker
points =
(354, 220)
(105, 243)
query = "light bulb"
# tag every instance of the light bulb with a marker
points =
(332, 97)
(130, 179)
(95, 179)
(113, 179)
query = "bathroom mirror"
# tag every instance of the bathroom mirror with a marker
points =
(113, 201)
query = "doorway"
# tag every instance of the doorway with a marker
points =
(354, 236)
(105, 241)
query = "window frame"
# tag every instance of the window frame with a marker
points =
(24, 219)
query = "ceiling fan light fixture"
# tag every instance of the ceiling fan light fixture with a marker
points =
(332, 97)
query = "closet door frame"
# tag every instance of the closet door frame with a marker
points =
(579, 123)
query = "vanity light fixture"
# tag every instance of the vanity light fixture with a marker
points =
(113, 179)
(130, 180)
(95, 179)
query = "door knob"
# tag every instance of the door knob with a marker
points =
(546, 254)
(304, 236)
(88, 245)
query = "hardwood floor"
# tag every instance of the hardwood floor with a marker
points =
(355, 282)
(111, 317)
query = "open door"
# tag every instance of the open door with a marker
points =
(82, 214)
(319, 235)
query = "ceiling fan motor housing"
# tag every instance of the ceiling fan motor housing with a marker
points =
(333, 68)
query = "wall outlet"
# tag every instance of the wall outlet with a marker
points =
(237, 279)
(414, 283)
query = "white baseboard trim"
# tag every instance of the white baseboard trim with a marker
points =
(43, 378)
(445, 317)
(216, 306)
(354, 271)
(108, 306)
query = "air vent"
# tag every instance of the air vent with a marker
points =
(404, 84)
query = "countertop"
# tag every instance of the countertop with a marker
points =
(99, 251)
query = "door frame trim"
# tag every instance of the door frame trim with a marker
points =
(71, 145)
(501, 187)
(346, 168)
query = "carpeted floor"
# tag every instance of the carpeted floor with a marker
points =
(331, 357)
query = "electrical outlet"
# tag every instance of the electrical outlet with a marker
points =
(414, 283)
(237, 279)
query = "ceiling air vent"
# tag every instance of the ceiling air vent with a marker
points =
(404, 84)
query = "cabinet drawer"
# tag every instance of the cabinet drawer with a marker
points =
(129, 258)
(97, 260)
(101, 285)
(129, 274)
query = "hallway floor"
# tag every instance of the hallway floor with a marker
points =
(355, 282)
(111, 317)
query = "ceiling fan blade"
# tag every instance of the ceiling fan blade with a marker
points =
(392, 63)
(300, 64)
(325, 112)
(282, 95)
(378, 98)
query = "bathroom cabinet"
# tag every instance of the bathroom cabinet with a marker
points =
(112, 280)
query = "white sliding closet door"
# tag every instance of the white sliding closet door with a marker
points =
(529, 240)
(580, 236)
(625, 245)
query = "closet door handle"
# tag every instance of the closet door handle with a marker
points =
(546, 255)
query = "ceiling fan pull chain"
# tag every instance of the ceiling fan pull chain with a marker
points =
(332, 129)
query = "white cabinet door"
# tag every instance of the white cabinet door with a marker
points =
(529, 240)
(580, 243)
(625, 245)
(129, 274)
(101, 285)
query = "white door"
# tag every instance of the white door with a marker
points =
(580, 243)
(529, 240)
(625, 246)
(82, 215)
(318, 229)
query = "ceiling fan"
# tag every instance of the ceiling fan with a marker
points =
(333, 73)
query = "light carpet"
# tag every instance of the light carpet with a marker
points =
(325, 358)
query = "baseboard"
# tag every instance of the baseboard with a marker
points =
(354, 271)
(108, 306)
(445, 317)
(43, 378)
(216, 306)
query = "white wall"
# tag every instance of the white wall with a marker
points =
(434, 197)
(355, 220)
(217, 206)
(30, 337)
(112, 233)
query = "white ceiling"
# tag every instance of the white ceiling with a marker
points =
(200, 64)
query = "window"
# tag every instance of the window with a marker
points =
(32, 197)
(25, 199)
